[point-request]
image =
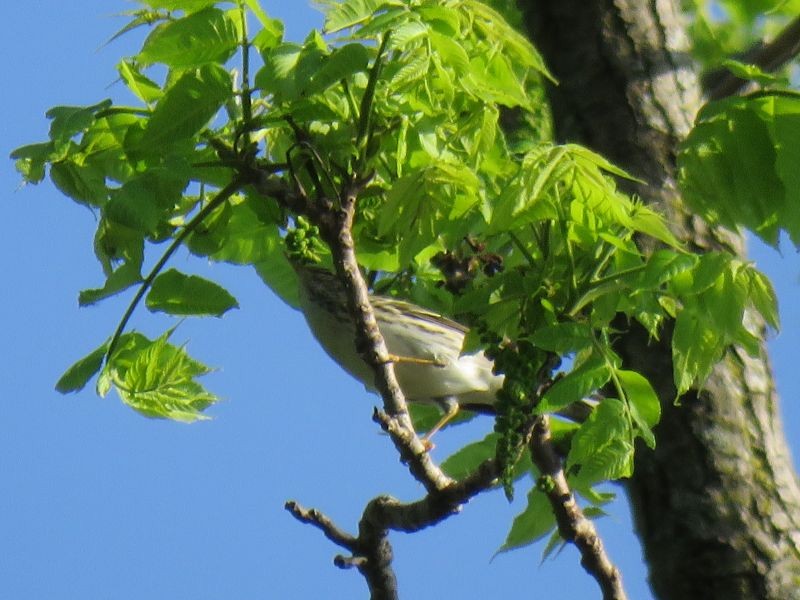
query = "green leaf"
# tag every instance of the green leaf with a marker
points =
(86, 184)
(77, 376)
(466, 460)
(143, 88)
(563, 338)
(185, 5)
(174, 293)
(696, 348)
(643, 403)
(532, 524)
(71, 120)
(662, 266)
(144, 202)
(737, 167)
(271, 33)
(157, 379)
(207, 36)
(341, 64)
(342, 15)
(277, 74)
(576, 385)
(123, 277)
(762, 295)
(602, 448)
(186, 107)
(752, 72)
(651, 223)
(31, 160)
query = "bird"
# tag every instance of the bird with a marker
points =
(426, 347)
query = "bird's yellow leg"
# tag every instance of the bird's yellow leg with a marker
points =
(451, 408)
(416, 361)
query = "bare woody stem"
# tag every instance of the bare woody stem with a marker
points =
(336, 225)
(573, 525)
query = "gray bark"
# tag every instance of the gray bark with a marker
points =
(717, 504)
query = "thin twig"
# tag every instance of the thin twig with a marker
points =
(314, 517)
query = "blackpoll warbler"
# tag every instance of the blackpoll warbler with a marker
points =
(426, 347)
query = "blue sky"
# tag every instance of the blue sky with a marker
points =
(97, 502)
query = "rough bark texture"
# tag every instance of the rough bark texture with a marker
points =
(717, 504)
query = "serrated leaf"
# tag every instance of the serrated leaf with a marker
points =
(738, 164)
(277, 74)
(651, 223)
(607, 423)
(554, 542)
(78, 375)
(174, 293)
(611, 461)
(157, 380)
(663, 265)
(641, 395)
(207, 36)
(762, 295)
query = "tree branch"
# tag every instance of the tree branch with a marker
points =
(335, 226)
(572, 523)
(314, 517)
(768, 57)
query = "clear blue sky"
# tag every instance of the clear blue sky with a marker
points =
(97, 502)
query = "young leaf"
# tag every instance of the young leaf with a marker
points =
(602, 447)
(174, 293)
(157, 379)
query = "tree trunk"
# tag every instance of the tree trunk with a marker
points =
(717, 504)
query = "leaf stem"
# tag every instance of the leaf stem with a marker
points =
(247, 107)
(362, 135)
(221, 197)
